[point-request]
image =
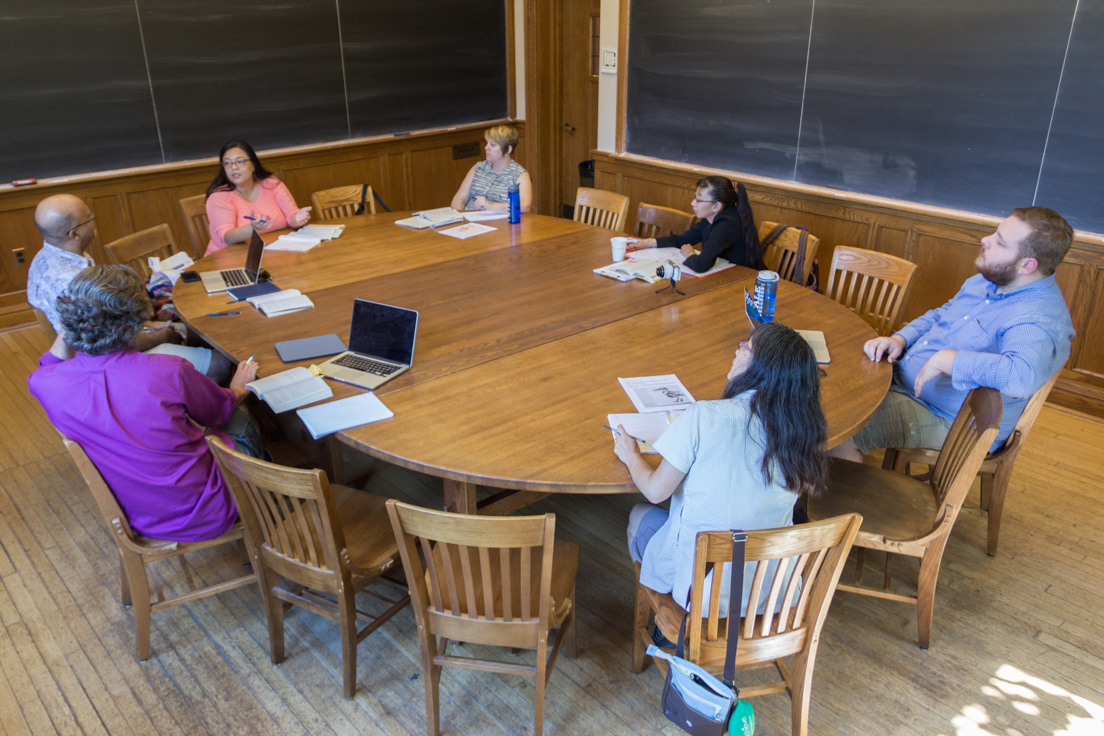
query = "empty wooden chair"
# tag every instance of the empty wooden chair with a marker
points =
(872, 285)
(329, 204)
(996, 468)
(781, 255)
(601, 208)
(135, 249)
(654, 221)
(903, 515)
(194, 210)
(795, 595)
(502, 581)
(135, 552)
(45, 325)
(329, 541)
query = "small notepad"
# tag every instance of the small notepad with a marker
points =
(337, 415)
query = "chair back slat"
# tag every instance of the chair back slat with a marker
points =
(194, 210)
(526, 581)
(135, 249)
(794, 588)
(654, 221)
(967, 443)
(873, 285)
(505, 568)
(330, 204)
(486, 574)
(431, 573)
(446, 570)
(601, 208)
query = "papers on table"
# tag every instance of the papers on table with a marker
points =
(431, 218)
(337, 415)
(290, 389)
(294, 242)
(675, 256)
(485, 216)
(172, 266)
(467, 230)
(648, 427)
(643, 269)
(322, 232)
(281, 302)
(657, 393)
(816, 341)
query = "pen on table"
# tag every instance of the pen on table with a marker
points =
(635, 438)
(221, 314)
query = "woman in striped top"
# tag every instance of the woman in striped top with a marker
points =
(488, 182)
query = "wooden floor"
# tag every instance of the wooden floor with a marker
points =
(1017, 646)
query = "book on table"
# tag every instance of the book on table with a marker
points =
(431, 218)
(281, 302)
(290, 389)
(643, 269)
(321, 231)
(294, 242)
(467, 230)
(816, 341)
(675, 256)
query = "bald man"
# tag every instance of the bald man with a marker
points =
(68, 227)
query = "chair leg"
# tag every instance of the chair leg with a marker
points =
(347, 606)
(243, 550)
(431, 673)
(542, 677)
(274, 609)
(569, 635)
(641, 614)
(996, 503)
(138, 587)
(124, 583)
(925, 592)
(801, 690)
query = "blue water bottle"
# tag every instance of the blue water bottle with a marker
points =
(766, 289)
(514, 198)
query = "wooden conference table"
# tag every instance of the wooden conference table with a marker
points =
(519, 347)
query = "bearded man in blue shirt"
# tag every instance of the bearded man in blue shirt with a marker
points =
(1008, 328)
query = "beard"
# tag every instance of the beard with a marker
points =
(1001, 275)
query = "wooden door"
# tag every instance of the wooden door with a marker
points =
(579, 60)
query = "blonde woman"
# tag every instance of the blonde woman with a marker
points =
(488, 182)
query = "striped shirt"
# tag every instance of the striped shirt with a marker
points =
(495, 187)
(1013, 342)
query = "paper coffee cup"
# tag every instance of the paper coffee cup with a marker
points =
(618, 246)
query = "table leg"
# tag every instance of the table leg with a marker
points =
(332, 459)
(460, 497)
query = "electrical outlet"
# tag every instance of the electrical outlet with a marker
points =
(20, 257)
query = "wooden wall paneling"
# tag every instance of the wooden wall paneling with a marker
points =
(19, 232)
(112, 222)
(542, 102)
(303, 181)
(436, 175)
(161, 205)
(398, 188)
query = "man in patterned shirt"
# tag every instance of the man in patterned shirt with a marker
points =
(67, 227)
(1008, 328)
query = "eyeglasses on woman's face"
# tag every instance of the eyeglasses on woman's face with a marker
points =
(234, 163)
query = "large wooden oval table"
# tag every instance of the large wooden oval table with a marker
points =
(520, 346)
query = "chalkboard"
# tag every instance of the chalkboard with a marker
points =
(981, 106)
(90, 85)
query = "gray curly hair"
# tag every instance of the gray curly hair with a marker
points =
(103, 308)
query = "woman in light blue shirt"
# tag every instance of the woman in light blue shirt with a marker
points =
(740, 462)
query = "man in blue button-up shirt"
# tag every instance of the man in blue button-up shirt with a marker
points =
(1007, 328)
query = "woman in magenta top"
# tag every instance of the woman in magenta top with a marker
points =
(141, 417)
(245, 196)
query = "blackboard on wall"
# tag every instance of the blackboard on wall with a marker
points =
(90, 85)
(980, 106)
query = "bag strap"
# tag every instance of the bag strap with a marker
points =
(362, 208)
(735, 595)
(802, 240)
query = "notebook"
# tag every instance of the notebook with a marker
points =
(215, 281)
(381, 345)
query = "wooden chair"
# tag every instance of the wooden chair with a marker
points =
(45, 325)
(502, 581)
(135, 552)
(601, 208)
(194, 210)
(789, 624)
(996, 468)
(330, 204)
(654, 221)
(781, 255)
(133, 250)
(872, 285)
(330, 541)
(903, 515)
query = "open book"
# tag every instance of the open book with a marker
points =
(431, 218)
(816, 341)
(646, 427)
(281, 302)
(295, 242)
(643, 269)
(675, 256)
(290, 389)
(322, 232)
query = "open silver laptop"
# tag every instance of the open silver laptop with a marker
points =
(381, 345)
(230, 278)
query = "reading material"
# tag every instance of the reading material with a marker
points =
(816, 341)
(172, 266)
(281, 302)
(294, 242)
(647, 427)
(337, 415)
(467, 230)
(484, 216)
(322, 232)
(431, 218)
(675, 256)
(290, 389)
(657, 393)
(645, 270)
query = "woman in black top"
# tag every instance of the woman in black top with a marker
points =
(725, 229)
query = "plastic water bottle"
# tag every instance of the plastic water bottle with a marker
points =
(514, 199)
(766, 289)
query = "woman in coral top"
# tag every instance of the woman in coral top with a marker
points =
(245, 196)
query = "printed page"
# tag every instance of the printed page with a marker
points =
(278, 380)
(467, 230)
(298, 394)
(262, 299)
(647, 427)
(485, 216)
(286, 304)
(675, 256)
(294, 242)
(816, 341)
(657, 393)
(323, 232)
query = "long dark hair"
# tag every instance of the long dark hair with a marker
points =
(221, 182)
(784, 374)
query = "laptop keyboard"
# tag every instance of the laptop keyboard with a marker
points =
(366, 365)
(237, 277)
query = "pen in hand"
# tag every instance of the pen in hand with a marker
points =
(643, 442)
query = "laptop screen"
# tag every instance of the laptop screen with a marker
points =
(383, 331)
(253, 260)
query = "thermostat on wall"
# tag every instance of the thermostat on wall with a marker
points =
(609, 61)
